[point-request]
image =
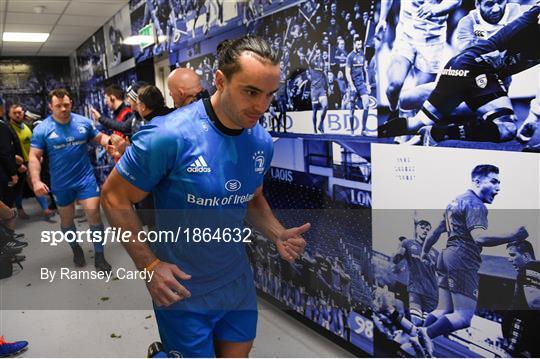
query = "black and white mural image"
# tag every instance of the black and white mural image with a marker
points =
(327, 184)
(27, 81)
(328, 82)
(119, 54)
(91, 60)
(454, 245)
(459, 73)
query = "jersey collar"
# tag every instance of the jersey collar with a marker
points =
(215, 120)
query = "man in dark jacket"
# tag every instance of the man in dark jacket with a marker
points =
(8, 167)
(114, 99)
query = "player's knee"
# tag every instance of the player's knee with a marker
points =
(507, 129)
(393, 87)
(460, 318)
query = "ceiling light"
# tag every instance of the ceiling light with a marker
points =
(39, 9)
(25, 36)
(138, 40)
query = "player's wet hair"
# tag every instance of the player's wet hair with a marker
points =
(151, 97)
(59, 93)
(523, 247)
(230, 50)
(115, 90)
(484, 171)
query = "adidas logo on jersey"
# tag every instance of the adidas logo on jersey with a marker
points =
(53, 135)
(199, 166)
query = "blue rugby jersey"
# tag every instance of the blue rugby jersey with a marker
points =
(66, 146)
(202, 175)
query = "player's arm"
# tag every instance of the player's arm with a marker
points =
(366, 77)
(400, 255)
(428, 10)
(483, 238)
(311, 54)
(289, 242)
(102, 139)
(465, 33)
(348, 74)
(434, 237)
(386, 5)
(34, 166)
(117, 198)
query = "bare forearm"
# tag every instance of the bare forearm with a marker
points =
(495, 240)
(445, 7)
(122, 215)
(260, 216)
(34, 167)
(385, 9)
(434, 237)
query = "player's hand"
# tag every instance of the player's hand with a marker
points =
(425, 11)
(19, 160)
(381, 27)
(119, 145)
(14, 180)
(95, 114)
(164, 287)
(290, 243)
(22, 169)
(40, 189)
(521, 234)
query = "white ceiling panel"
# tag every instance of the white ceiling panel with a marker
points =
(27, 28)
(74, 20)
(77, 30)
(70, 23)
(57, 44)
(26, 18)
(93, 8)
(50, 6)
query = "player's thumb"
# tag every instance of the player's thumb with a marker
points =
(179, 274)
(302, 229)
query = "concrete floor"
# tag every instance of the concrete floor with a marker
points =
(93, 318)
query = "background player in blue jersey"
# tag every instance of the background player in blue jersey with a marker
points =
(356, 74)
(204, 164)
(319, 87)
(63, 137)
(422, 285)
(465, 221)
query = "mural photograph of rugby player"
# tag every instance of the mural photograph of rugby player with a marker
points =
(459, 74)
(444, 272)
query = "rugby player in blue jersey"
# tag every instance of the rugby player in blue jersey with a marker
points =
(204, 163)
(422, 286)
(319, 87)
(465, 221)
(356, 74)
(63, 137)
